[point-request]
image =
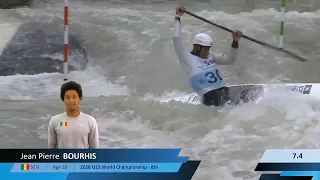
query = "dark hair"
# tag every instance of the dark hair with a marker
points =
(71, 85)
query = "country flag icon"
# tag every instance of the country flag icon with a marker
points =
(64, 124)
(25, 167)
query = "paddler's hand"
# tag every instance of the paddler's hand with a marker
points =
(237, 35)
(179, 11)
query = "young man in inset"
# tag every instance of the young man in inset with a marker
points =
(72, 129)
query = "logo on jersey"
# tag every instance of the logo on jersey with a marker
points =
(204, 64)
(199, 64)
(208, 62)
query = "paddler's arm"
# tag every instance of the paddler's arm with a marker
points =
(177, 40)
(229, 58)
(52, 136)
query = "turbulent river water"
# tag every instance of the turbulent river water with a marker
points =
(132, 65)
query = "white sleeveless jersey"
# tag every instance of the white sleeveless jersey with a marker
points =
(203, 74)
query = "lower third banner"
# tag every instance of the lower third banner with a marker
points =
(130, 164)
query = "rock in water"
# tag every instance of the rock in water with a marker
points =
(9, 4)
(37, 48)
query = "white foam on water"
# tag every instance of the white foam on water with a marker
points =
(165, 95)
(47, 85)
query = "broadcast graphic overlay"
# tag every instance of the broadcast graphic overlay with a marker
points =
(95, 164)
(294, 164)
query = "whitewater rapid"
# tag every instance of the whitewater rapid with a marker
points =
(133, 66)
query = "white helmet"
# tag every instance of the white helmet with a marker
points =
(203, 39)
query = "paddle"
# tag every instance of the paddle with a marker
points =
(249, 38)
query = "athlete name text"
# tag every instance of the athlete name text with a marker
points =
(70, 156)
(40, 156)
